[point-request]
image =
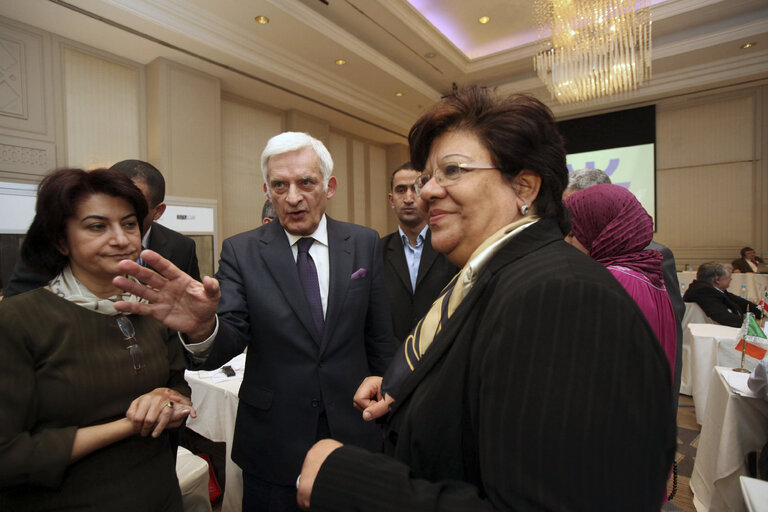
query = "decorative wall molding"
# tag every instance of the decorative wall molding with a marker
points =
(30, 158)
(13, 100)
(26, 92)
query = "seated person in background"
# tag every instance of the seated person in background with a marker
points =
(82, 387)
(748, 261)
(710, 291)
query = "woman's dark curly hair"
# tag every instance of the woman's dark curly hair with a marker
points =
(519, 131)
(57, 198)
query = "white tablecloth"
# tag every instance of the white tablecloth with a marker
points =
(755, 494)
(192, 472)
(734, 425)
(701, 353)
(216, 405)
(754, 284)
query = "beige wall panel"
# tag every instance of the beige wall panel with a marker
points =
(715, 132)
(195, 134)
(378, 184)
(297, 121)
(360, 214)
(102, 110)
(245, 131)
(339, 205)
(706, 212)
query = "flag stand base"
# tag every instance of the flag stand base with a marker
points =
(741, 370)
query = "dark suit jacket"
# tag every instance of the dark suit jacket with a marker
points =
(669, 269)
(742, 266)
(724, 308)
(171, 245)
(406, 306)
(520, 402)
(292, 374)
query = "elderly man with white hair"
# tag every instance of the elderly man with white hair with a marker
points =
(306, 295)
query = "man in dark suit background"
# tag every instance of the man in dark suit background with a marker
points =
(415, 273)
(710, 291)
(749, 261)
(315, 321)
(174, 246)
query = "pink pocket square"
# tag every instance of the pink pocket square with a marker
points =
(359, 273)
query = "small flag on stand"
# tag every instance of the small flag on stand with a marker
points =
(754, 338)
(763, 302)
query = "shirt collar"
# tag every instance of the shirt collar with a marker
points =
(419, 239)
(320, 234)
(145, 238)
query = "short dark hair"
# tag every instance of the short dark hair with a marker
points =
(268, 210)
(744, 251)
(57, 198)
(519, 131)
(139, 170)
(406, 166)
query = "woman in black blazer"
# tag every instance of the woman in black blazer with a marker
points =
(535, 383)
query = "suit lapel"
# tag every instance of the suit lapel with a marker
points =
(279, 260)
(340, 258)
(396, 258)
(428, 257)
(157, 240)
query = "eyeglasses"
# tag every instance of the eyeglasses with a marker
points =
(448, 174)
(131, 345)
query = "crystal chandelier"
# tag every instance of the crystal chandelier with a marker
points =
(598, 47)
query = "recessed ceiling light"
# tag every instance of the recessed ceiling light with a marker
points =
(430, 55)
(748, 45)
(339, 62)
(484, 19)
(261, 20)
(399, 94)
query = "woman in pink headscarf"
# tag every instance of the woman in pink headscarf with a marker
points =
(612, 227)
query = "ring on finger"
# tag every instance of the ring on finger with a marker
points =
(169, 404)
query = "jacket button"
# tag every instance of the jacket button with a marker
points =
(315, 402)
(393, 437)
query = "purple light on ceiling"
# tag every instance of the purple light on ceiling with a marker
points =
(434, 12)
(442, 21)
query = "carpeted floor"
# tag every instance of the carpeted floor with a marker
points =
(687, 441)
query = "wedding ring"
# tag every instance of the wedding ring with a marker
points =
(169, 404)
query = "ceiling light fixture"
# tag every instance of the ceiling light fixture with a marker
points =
(598, 47)
(399, 94)
(261, 20)
(484, 19)
(748, 45)
(339, 62)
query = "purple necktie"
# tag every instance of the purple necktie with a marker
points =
(308, 278)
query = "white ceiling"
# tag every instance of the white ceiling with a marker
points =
(391, 46)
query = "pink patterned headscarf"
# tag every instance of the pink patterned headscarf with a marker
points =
(614, 227)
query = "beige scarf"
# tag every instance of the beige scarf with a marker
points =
(68, 287)
(428, 327)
